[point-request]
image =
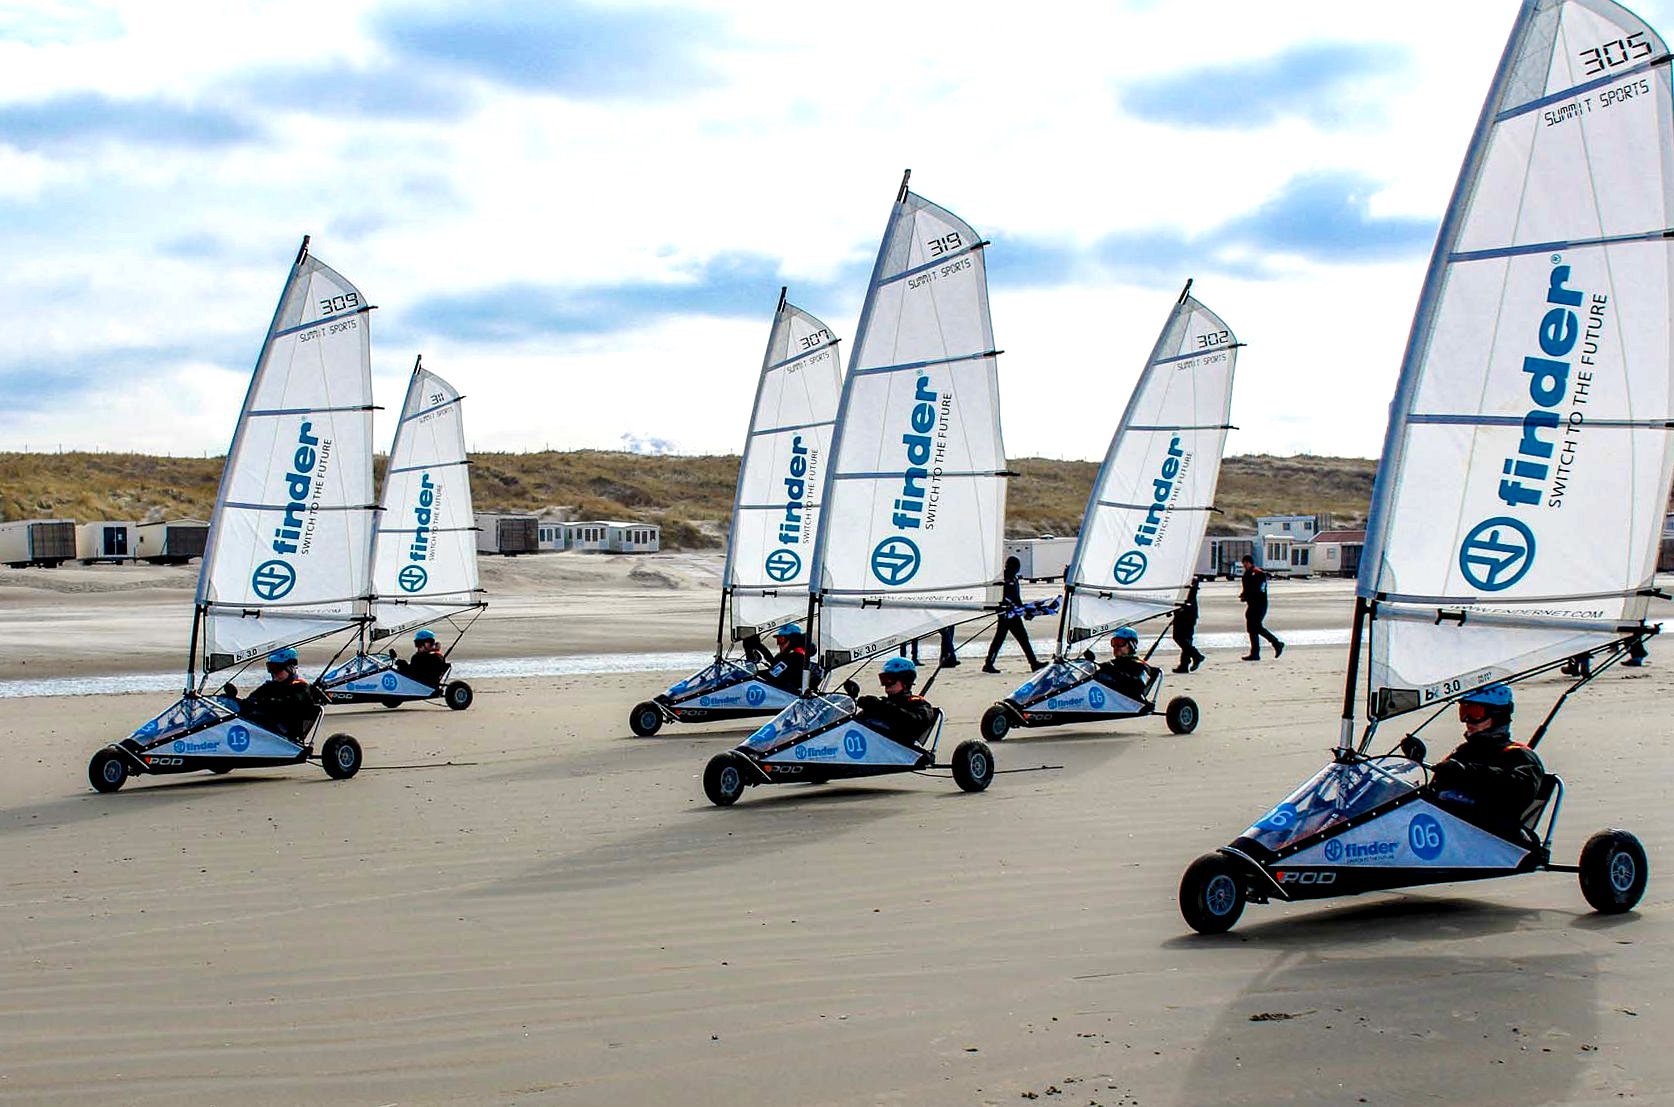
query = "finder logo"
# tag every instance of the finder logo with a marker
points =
(273, 579)
(895, 561)
(1162, 494)
(783, 565)
(1130, 567)
(1497, 553)
(796, 494)
(424, 514)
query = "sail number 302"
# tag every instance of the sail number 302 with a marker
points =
(1213, 338)
(1618, 51)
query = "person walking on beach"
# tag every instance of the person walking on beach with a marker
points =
(1010, 621)
(1254, 595)
(1185, 629)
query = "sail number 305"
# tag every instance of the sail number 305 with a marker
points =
(1618, 51)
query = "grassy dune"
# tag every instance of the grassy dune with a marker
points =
(689, 496)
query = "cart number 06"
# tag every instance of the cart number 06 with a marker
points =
(1424, 836)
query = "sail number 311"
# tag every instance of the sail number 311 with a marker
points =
(1618, 51)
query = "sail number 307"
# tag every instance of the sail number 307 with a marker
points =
(1618, 51)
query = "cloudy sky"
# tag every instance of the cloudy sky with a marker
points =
(581, 212)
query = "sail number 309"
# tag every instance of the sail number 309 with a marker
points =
(331, 305)
(1618, 51)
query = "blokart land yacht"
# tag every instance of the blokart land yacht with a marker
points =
(1519, 501)
(1146, 515)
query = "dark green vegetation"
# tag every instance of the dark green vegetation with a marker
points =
(689, 496)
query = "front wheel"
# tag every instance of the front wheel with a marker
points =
(107, 771)
(1211, 894)
(996, 724)
(340, 756)
(973, 765)
(1613, 871)
(458, 695)
(1182, 715)
(645, 719)
(392, 702)
(723, 779)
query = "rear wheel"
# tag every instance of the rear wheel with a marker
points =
(723, 779)
(1182, 714)
(996, 724)
(340, 757)
(458, 695)
(107, 771)
(392, 702)
(645, 719)
(1613, 871)
(973, 765)
(1211, 894)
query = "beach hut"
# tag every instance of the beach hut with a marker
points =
(550, 534)
(1337, 552)
(633, 537)
(106, 541)
(174, 542)
(587, 537)
(1221, 555)
(1044, 557)
(507, 533)
(44, 542)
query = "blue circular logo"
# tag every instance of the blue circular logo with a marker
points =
(388, 682)
(273, 580)
(755, 695)
(895, 560)
(1334, 850)
(412, 578)
(1130, 567)
(180, 747)
(1095, 696)
(238, 739)
(854, 744)
(783, 565)
(1497, 553)
(1424, 835)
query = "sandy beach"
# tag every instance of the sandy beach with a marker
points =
(525, 904)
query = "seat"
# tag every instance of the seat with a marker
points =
(1549, 785)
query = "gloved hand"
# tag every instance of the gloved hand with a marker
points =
(867, 701)
(1447, 774)
(1413, 748)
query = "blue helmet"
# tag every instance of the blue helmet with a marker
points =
(286, 656)
(1493, 695)
(789, 630)
(424, 636)
(900, 665)
(1125, 634)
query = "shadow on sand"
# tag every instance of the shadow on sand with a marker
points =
(1348, 1011)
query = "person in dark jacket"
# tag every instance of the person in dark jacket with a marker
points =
(790, 662)
(1012, 624)
(1125, 672)
(285, 704)
(1490, 779)
(897, 714)
(1254, 595)
(428, 663)
(1185, 630)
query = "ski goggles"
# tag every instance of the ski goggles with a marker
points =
(1472, 712)
(892, 678)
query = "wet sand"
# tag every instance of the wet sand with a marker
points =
(524, 904)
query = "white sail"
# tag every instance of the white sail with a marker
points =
(914, 504)
(424, 550)
(775, 512)
(286, 559)
(1150, 505)
(1526, 470)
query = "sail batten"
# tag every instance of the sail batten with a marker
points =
(776, 506)
(289, 537)
(424, 561)
(914, 502)
(1529, 454)
(1149, 506)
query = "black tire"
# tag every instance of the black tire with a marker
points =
(645, 719)
(392, 702)
(1182, 715)
(108, 771)
(723, 779)
(973, 765)
(1614, 871)
(996, 724)
(1211, 894)
(222, 771)
(340, 757)
(458, 695)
